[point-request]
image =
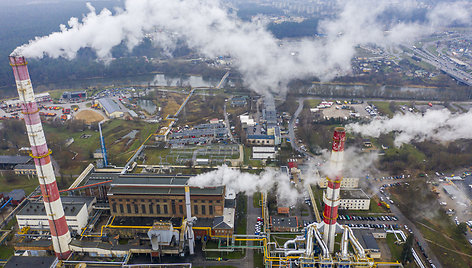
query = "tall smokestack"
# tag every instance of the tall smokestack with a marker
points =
(332, 198)
(40, 153)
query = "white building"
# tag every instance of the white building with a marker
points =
(246, 121)
(354, 199)
(76, 211)
(263, 152)
(346, 183)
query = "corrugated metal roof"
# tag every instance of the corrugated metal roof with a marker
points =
(14, 159)
(158, 184)
(109, 105)
(25, 167)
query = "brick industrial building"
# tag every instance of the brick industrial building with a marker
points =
(162, 196)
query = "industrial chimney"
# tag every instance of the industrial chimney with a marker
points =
(41, 154)
(331, 198)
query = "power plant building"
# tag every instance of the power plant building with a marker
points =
(162, 196)
(76, 211)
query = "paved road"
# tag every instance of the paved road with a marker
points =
(228, 126)
(402, 220)
(291, 126)
(446, 65)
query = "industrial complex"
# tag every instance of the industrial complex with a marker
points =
(150, 212)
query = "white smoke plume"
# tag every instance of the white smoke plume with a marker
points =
(248, 183)
(355, 165)
(207, 26)
(438, 125)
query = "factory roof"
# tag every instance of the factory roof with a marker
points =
(36, 208)
(109, 105)
(158, 184)
(263, 149)
(88, 200)
(17, 194)
(107, 246)
(200, 132)
(25, 166)
(263, 155)
(14, 159)
(270, 137)
(451, 190)
(284, 222)
(31, 261)
(366, 239)
(226, 221)
(353, 194)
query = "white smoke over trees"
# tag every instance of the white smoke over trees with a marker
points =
(355, 165)
(267, 64)
(438, 125)
(248, 183)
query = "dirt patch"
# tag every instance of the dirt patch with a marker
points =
(89, 116)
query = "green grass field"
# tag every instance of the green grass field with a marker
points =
(10, 182)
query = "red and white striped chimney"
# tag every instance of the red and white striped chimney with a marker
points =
(331, 197)
(41, 154)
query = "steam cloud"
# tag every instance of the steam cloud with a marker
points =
(355, 165)
(248, 183)
(266, 63)
(439, 125)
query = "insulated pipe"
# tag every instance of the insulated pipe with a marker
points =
(293, 241)
(360, 250)
(190, 235)
(60, 234)
(331, 198)
(344, 242)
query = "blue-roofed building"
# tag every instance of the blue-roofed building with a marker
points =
(110, 107)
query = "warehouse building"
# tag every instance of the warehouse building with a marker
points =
(368, 242)
(110, 107)
(32, 261)
(162, 196)
(74, 95)
(11, 161)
